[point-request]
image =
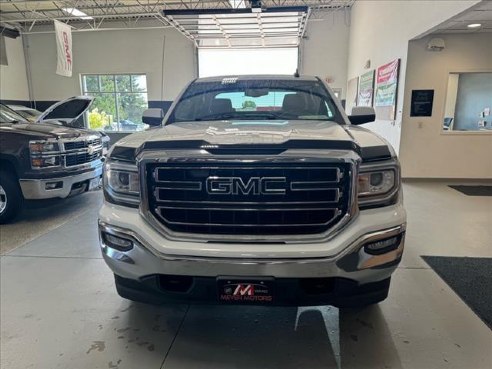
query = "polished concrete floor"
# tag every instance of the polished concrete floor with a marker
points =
(59, 308)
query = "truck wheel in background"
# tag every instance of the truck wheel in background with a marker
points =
(11, 199)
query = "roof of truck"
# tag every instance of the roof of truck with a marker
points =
(281, 77)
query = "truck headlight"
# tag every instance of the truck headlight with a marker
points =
(44, 154)
(378, 184)
(121, 183)
(39, 147)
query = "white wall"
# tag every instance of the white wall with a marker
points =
(427, 151)
(324, 51)
(380, 31)
(13, 78)
(128, 51)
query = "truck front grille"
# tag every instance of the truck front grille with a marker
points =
(74, 145)
(81, 158)
(249, 199)
(82, 151)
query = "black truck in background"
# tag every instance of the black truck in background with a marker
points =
(47, 158)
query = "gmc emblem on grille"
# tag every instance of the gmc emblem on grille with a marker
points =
(253, 186)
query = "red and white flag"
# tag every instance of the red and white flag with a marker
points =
(64, 56)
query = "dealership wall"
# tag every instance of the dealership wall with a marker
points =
(166, 56)
(380, 31)
(324, 50)
(13, 78)
(427, 151)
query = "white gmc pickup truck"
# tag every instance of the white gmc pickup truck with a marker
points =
(253, 190)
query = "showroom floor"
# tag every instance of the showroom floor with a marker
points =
(59, 308)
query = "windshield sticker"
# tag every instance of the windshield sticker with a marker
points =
(229, 80)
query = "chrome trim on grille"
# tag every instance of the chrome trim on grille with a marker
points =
(184, 183)
(92, 147)
(288, 156)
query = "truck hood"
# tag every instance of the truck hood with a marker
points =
(259, 133)
(241, 132)
(46, 130)
(67, 111)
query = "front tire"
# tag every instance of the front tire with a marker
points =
(11, 199)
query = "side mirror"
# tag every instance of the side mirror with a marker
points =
(362, 114)
(153, 117)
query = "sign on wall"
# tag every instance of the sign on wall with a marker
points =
(64, 56)
(366, 89)
(422, 102)
(386, 90)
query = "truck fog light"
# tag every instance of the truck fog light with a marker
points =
(118, 243)
(53, 185)
(382, 246)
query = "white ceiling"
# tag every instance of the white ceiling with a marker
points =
(481, 13)
(27, 15)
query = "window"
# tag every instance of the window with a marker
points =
(120, 100)
(256, 100)
(468, 102)
(7, 115)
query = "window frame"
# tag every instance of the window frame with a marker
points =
(115, 93)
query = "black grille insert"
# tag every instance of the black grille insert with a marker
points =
(249, 199)
(75, 145)
(81, 158)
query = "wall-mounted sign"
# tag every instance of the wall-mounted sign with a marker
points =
(366, 89)
(422, 102)
(387, 90)
(64, 57)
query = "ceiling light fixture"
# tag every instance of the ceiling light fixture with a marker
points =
(474, 25)
(237, 4)
(256, 6)
(77, 13)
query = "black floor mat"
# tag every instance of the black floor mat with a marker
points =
(470, 278)
(474, 190)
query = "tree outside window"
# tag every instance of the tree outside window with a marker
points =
(119, 101)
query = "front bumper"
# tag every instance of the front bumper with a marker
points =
(352, 278)
(342, 261)
(352, 263)
(33, 189)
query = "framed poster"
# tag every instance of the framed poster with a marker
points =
(366, 89)
(387, 90)
(422, 102)
(352, 86)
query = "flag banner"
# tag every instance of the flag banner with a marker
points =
(386, 90)
(64, 57)
(387, 83)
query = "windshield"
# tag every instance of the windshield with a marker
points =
(7, 115)
(31, 115)
(233, 99)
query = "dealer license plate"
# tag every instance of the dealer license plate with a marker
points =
(234, 290)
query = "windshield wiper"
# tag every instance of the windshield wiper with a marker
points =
(218, 116)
